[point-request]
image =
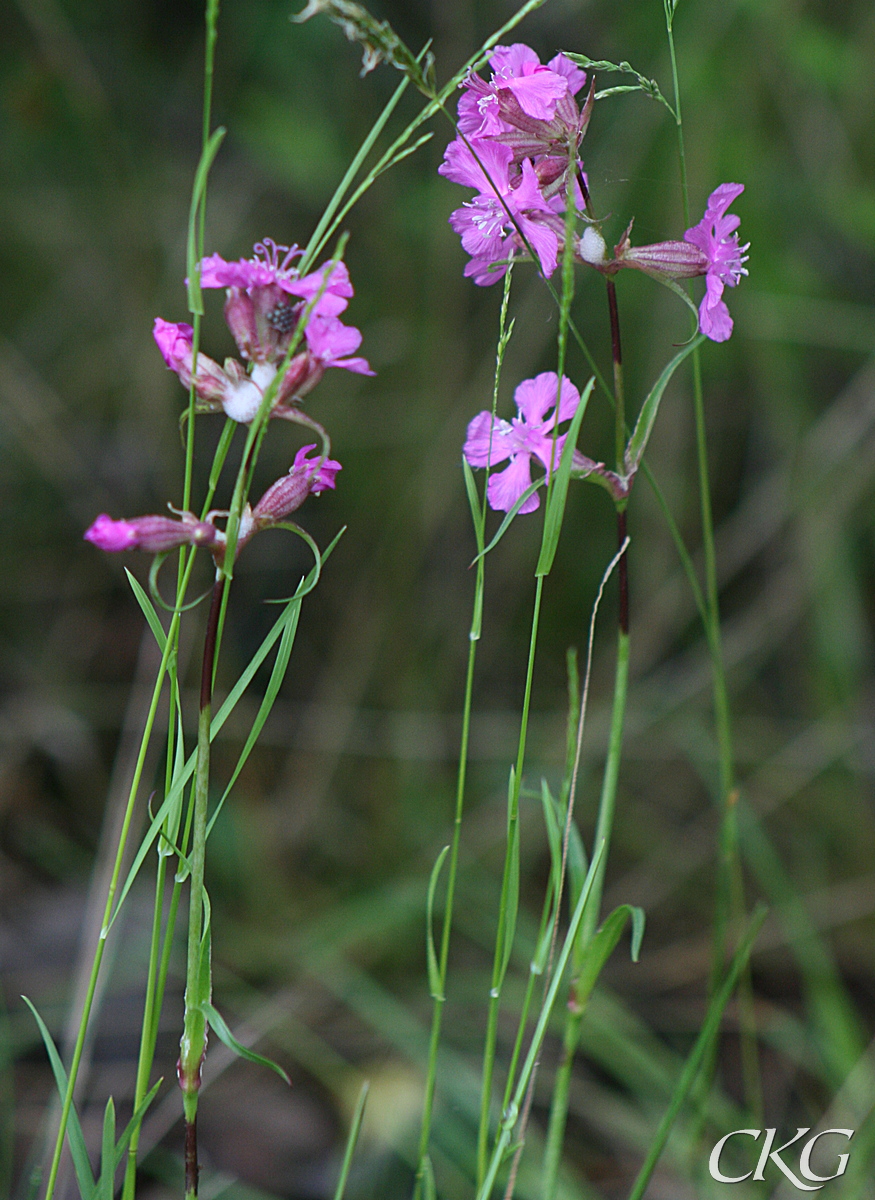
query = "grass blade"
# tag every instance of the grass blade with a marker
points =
(78, 1150)
(559, 491)
(352, 1139)
(434, 975)
(224, 1034)
(697, 1055)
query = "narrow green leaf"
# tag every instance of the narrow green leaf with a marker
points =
(211, 149)
(644, 425)
(290, 613)
(701, 1047)
(559, 491)
(174, 795)
(325, 228)
(554, 835)
(577, 865)
(224, 1034)
(148, 611)
(638, 923)
(306, 585)
(352, 1139)
(512, 898)
(227, 436)
(170, 831)
(505, 524)
(105, 1185)
(78, 1150)
(429, 1189)
(593, 956)
(509, 1121)
(277, 676)
(474, 502)
(434, 975)
(124, 1141)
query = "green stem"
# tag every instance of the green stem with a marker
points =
(440, 998)
(110, 899)
(500, 957)
(504, 334)
(729, 899)
(197, 982)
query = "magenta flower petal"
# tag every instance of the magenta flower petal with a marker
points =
(487, 443)
(715, 236)
(174, 341)
(535, 397)
(333, 300)
(574, 77)
(110, 535)
(505, 488)
(216, 272)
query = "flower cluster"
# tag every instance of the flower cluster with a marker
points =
(272, 310)
(267, 301)
(517, 134)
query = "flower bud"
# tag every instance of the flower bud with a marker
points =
(287, 495)
(155, 534)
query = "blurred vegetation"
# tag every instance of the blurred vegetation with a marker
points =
(318, 868)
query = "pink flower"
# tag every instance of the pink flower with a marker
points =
(486, 223)
(154, 534)
(530, 435)
(485, 109)
(267, 297)
(715, 236)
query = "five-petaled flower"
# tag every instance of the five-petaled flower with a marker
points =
(531, 435)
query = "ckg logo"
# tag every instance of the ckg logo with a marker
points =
(768, 1155)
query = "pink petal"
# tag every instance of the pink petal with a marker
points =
(535, 397)
(174, 341)
(111, 535)
(246, 272)
(487, 445)
(505, 489)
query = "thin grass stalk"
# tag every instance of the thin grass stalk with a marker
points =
(562, 349)
(101, 945)
(501, 932)
(193, 1046)
(607, 800)
(155, 977)
(504, 333)
(700, 1053)
(729, 898)
(159, 951)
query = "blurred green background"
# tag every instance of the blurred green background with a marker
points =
(318, 868)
